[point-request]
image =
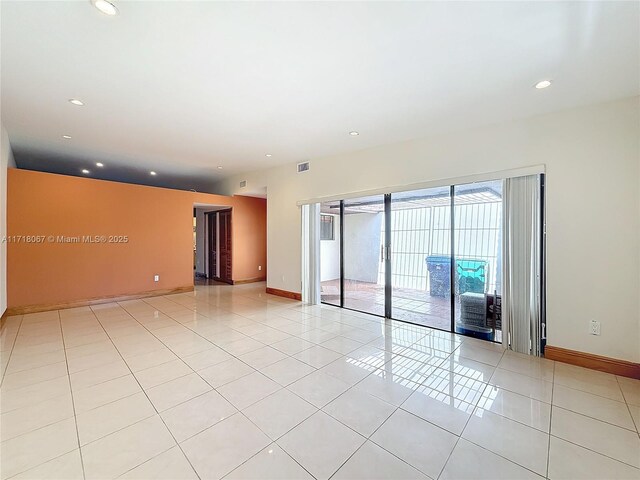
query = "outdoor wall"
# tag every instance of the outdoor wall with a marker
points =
(593, 208)
(362, 233)
(6, 161)
(157, 221)
(330, 254)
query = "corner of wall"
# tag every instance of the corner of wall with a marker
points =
(6, 161)
(230, 186)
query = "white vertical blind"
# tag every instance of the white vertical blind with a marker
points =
(521, 268)
(311, 253)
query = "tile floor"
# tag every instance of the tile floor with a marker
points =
(227, 382)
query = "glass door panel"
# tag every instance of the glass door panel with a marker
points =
(330, 253)
(421, 257)
(477, 251)
(396, 255)
(363, 254)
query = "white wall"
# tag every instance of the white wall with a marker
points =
(593, 208)
(6, 161)
(362, 232)
(330, 254)
(362, 249)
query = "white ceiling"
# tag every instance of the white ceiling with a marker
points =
(182, 87)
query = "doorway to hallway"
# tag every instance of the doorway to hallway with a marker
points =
(213, 246)
(220, 245)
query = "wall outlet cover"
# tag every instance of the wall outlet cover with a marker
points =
(156, 278)
(594, 327)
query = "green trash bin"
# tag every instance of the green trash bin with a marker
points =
(472, 275)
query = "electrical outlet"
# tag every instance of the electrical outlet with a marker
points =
(259, 267)
(156, 278)
(282, 278)
(594, 327)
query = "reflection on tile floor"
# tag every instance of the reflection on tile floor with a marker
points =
(228, 382)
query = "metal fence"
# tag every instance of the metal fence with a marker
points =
(417, 233)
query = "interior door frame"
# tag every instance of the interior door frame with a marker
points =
(213, 238)
(228, 231)
(212, 235)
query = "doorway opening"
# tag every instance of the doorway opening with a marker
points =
(213, 245)
(220, 245)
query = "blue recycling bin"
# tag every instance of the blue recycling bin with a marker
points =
(470, 275)
(439, 268)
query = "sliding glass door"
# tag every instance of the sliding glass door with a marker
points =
(431, 257)
(363, 254)
(477, 238)
(420, 238)
(330, 252)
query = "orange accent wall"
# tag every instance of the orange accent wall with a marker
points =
(157, 221)
(249, 234)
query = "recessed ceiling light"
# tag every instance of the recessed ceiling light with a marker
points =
(75, 101)
(152, 173)
(99, 164)
(66, 137)
(354, 134)
(85, 171)
(543, 84)
(268, 155)
(219, 167)
(105, 7)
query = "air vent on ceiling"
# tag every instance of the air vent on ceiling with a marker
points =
(303, 167)
(243, 183)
